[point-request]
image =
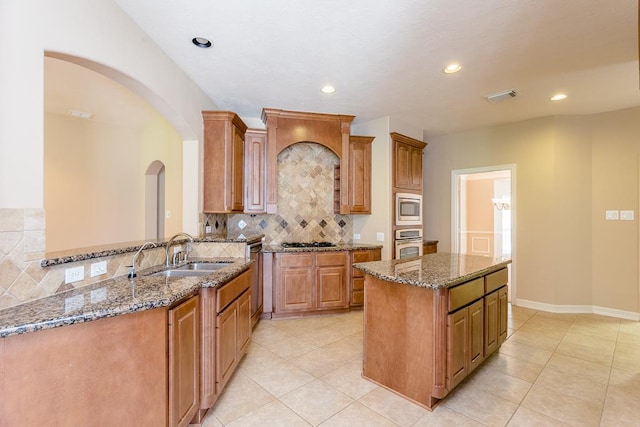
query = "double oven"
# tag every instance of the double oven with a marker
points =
(408, 225)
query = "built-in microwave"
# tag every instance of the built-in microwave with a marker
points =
(408, 209)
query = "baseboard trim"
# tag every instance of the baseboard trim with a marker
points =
(593, 309)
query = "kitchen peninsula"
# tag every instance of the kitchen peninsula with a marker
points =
(430, 321)
(170, 337)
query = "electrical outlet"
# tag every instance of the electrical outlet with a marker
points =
(626, 215)
(356, 236)
(74, 274)
(611, 215)
(380, 236)
(98, 268)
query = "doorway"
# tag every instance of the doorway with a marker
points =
(154, 195)
(483, 213)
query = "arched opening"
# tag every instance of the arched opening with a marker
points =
(154, 201)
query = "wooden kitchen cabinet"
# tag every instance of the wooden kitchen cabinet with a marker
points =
(407, 163)
(226, 333)
(184, 362)
(331, 280)
(429, 247)
(223, 169)
(465, 332)
(294, 282)
(255, 157)
(309, 282)
(359, 174)
(233, 327)
(443, 333)
(356, 288)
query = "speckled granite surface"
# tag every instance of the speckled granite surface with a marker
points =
(439, 270)
(82, 254)
(342, 247)
(112, 297)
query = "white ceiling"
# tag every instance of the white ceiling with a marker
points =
(385, 57)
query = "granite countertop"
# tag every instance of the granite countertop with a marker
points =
(82, 254)
(113, 297)
(339, 247)
(434, 271)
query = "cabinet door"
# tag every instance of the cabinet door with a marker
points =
(415, 171)
(402, 166)
(254, 171)
(184, 362)
(360, 175)
(244, 323)
(491, 313)
(476, 334)
(457, 347)
(296, 287)
(226, 341)
(503, 314)
(237, 171)
(223, 162)
(331, 287)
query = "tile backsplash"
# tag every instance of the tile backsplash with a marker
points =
(305, 201)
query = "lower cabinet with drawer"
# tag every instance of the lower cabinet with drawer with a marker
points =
(431, 339)
(309, 283)
(356, 288)
(225, 316)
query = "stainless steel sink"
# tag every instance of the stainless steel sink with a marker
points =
(208, 266)
(193, 269)
(182, 273)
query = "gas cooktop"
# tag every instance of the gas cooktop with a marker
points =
(307, 244)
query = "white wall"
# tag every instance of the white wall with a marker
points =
(570, 169)
(103, 34)
(380, 219)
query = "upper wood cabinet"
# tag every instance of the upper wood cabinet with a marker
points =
(407, 163)
(224, 134)
(285, 128)
(359, 174)
(255, 162)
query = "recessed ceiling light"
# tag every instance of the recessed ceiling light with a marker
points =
(328, 89)
(558, 97)
(80, 114)
(201, 42)
(452, 68)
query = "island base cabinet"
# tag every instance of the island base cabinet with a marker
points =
(465, 350)
(496, 313)
(184, 362)
(422, 342)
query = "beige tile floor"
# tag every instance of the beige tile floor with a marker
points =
(553, 370)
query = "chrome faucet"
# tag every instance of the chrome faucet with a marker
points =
(170, 243)
(132, 271)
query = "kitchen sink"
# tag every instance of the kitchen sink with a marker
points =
(200, 266)
(182, 273)
(193, 269)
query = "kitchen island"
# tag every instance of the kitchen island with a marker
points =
(430, 321)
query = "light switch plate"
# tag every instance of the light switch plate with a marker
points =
(627, 215)
(611, 215)
(380, 237)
